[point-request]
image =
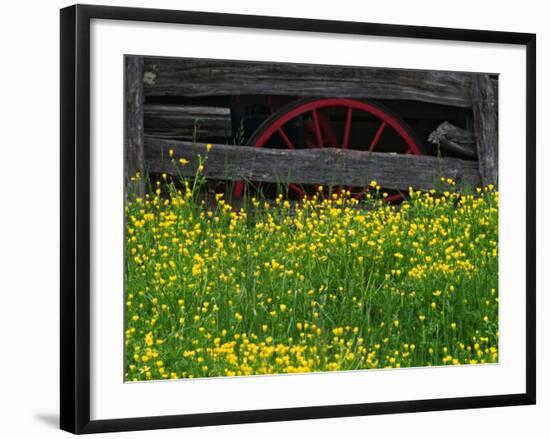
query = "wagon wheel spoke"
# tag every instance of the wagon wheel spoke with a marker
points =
(238, 189)
(297, 189)
(285, 138)
(309, 136)
(377, 136)
(326, 127)
(347, 128)
(317, 128)
(345, 144)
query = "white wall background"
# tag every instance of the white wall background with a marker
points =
(29, 187)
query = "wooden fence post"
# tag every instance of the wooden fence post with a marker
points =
(133, 126)
(485, 110)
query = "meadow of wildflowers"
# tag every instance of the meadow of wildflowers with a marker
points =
(327, 283)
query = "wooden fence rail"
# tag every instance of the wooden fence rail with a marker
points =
(208, 77)
(327, 166)
(185, 121)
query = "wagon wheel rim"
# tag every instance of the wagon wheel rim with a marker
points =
(322, 134)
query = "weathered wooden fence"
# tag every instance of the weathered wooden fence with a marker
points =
(152, 76)
(327, 166)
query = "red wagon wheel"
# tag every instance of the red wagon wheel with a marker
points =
(334, 122)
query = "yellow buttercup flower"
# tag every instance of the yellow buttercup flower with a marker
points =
(288, 284)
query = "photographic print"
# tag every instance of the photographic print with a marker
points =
(294, 218)
(344, 227)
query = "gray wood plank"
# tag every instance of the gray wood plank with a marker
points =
(133, 123)
(485, 110)
(453, 139)
(183, 122)
(328, 166)
(202, 77)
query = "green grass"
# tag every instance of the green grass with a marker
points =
(325, 284)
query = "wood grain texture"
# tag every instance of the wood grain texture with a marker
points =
(327, 166)
(485, 110)
(180, 121)
(453, 139)
(133, 123)
(202, 77)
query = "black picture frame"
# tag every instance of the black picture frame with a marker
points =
(75, 217)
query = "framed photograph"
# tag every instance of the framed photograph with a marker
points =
(268, 218)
